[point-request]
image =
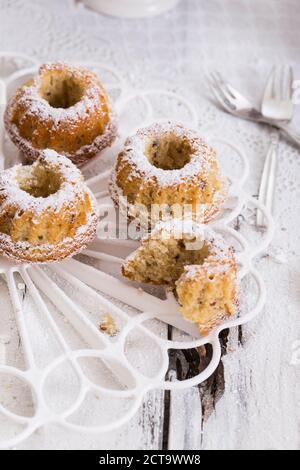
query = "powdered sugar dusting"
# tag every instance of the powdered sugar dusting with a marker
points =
(71, 191)
(71, 185)
(47, 253)
(134, 152)
(193, 172)
(38, 107)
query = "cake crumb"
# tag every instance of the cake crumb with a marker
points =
(108, 325)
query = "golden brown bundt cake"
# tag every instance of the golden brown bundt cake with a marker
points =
(196, 263)
(46, 210)
(167, 168)
(64, 108)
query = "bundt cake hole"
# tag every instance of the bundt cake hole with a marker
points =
(60, 90)
(169, 152)
(38, 181)
(163, 261)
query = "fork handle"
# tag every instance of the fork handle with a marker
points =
(267, 184)
(291, 133)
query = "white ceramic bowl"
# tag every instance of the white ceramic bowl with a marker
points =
(131, 8)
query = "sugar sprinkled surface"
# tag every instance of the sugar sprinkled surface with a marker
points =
(71, 185)
(199, 166)
(58, 118)
(36, 105)
(72, 189)
(134, 152)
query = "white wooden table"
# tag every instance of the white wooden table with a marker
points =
(252, 401)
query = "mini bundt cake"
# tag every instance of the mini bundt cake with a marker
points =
(166, 168)
(46, 210)
(196, 263)
(64, 108)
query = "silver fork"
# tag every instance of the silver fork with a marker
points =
(277, 104)
(232, 101)
(267, 182)
(278, 95)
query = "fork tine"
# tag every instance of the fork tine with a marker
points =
(282, 78)
(284, 83)
(217, 76)
(213, 79)
(212, 76)
(222, 87)
(268, 93)
(219, 95)
(277, 82)
(290, 79)
(216, 90)
(222, 83)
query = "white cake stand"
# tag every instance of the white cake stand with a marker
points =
(74, 374)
